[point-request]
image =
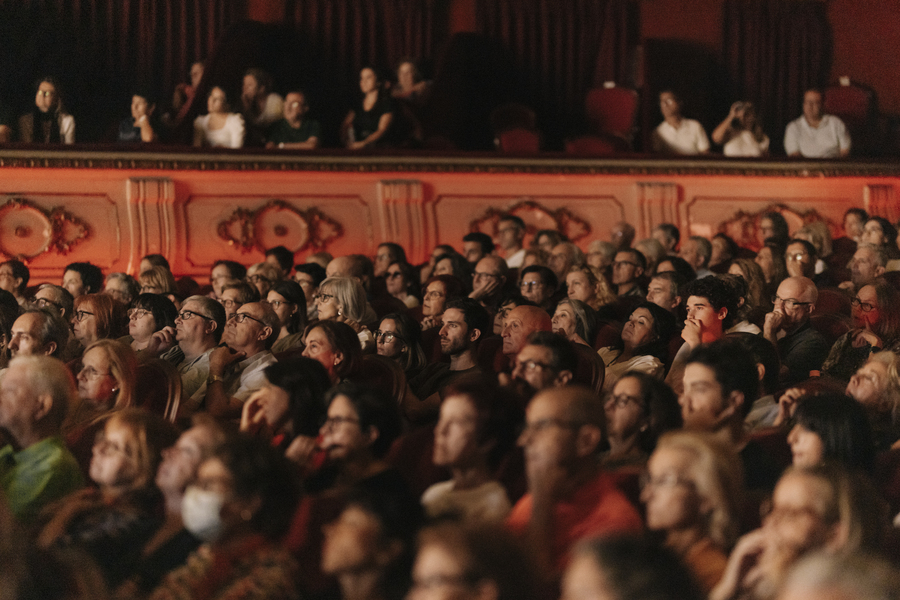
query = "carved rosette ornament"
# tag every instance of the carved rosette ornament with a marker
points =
(536, 217)
(27, 231)
(279, 224)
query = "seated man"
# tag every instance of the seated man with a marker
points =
(628, 267)
(801, 348)
(538, 284)
(56, 298)
(294, 131)
(477, 245)
(664, 290)
(36, 467)
(868, 264)
(236, 369)
(668, 235)
(14, 277)
(697, 251)
(259, 104)
(39, 332)
(82, 278)
(815, 134)
(547, 360)
(510, 236)
(489, 281)
(676, 134)
(520, 323)
(563, 257)
(569, 498)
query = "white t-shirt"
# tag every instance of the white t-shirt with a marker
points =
(825, 141)
(688, 138)
(745, 144)
(486, 503)
(229, 136)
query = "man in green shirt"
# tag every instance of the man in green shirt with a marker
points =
(36, 468)
(294, 131)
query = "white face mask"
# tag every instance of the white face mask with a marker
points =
(201, 512)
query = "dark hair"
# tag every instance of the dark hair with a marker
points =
(91, 276)
(734, 368)
(562, 351)
(398, 254)
(548, 277)
(639, 568)
(258, 470)
(842, 425)
(157, 260)
(314, 270)
(859, 212)
(455, 288)
(410, 333)
(889, 231)
(671, 231)
(19, 271)
(515, 220)
(730, 245)
(719, 293)
(292, 292)
(661, 409)
(779, 225)
(461, 268)
(664, 327)
(373, 408)
(779, 268)
(52, 328)
(675, 279)
(704, 248)
(763, 353)
(499, 413)
(637, 255)
(553, 234)
(409, 274)
(483, 239)
(263, 78)
(163, 310)
(681, 266)
(306, 382)
(235, 269)
(247, 292)
(810, 249)
(283, 256)
(343, 339)
(9, 312)
(474, 314)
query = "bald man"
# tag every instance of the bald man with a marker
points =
(520, 323)
(802, 349)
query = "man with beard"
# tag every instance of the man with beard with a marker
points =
(547, 360)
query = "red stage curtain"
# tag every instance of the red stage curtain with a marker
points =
(774, 51)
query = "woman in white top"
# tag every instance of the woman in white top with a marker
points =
(48, 122)
(219, 128)
(644, 344)
(741, 133)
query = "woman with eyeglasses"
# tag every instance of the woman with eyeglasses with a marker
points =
(48, 122)
(439, 289)
(638, 410)
(343, 299)
(113, 519)
(399, 337)
(289, 302)
(875, 312)
(149, 313)
(643, 345)
(264, 276)
(96, 317)
(400, 281)
(692, 491)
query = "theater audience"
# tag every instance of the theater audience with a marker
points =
(38, 331)
(756, 298)
(260, 105)
(97, 317)
(263, 276)
(122, 287)
(724, 250)
(520, 323)
(538, 284)
(546, 360)
(295, 131)
(289, 303)
(489, 281)
(697, 251)
(400, 281)
(219, 128)
(439, 290)
(643, 345)
(48, 122)
(141, 126)
(876, 386)
(369, 121)
(772, 224)
(628, 267)
(653, 252)
(225, 272)
(664, 290)
(676, 134)
(343, 299)
(831, 429)
(476, 245)
(668, 235)
(310, 276)
(14, 276)
(816, 134)
(511, 236)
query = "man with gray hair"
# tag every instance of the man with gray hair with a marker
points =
(36, 468)
(697, 251)
(868, 264)
(38, 331)
(56, 298)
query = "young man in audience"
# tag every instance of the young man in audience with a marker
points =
(510, 236)
(14, 277)
(628, 268)
(815, 134)
(36, 467)
(801, 348)
(520, 323)
(295, 131)
(81, 278)
(569, 497)
(477, 245)
(539, 285)
(697, 251)
(236, 368)
(668, 235)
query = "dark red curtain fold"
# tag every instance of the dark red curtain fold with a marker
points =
(563, 48)
(774, 51)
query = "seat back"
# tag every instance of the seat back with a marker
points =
(158, 388)
(832, 301)
(612, 110)
(519, 141)
(512, 116)
(591, 371)
(854, 104)
(594, 145)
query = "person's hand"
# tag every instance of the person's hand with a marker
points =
(787, 405)
(252, 416)
(846, 285)
(221, 357)
(741, 572)
(864, 336)
(429, 322)
(301, 450)
(484, 287)
(773, 323)
(691, 332)
(356, 325)
(161, 341)
(737, 110)
(356, 145)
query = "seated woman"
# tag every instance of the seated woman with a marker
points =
(399, 337)
(475, 431)
(676, 134)
(369, 122)
(96, 317)
(335, 346)
(439, 289)
(879, 232)
(112, 521)
(741, 133)
(834, 429)
(643, 346)
(814, 509)
(141, 126)
(263, 275)
(876, 327)
(219, 128)
(638, 410)
(876, 386)
(400, 281)
(771, 260)
(756, 300)
(588, 285)
(48, 122)
(693, 496)
(289, 407)
(157, 280)
(575, 321)
(122, 287)
(456, 265)
(150, 313)
(289, 302)
(343, 299)
(410, 83)
(241, 505)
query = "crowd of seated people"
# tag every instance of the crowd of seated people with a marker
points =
(387, 112)
(586, 423)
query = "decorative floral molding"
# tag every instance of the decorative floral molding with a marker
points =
(279, 224)
(27, 231)
(536, 217)
(744, 227)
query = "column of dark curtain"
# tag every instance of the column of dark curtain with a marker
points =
(563, 49)
(101, 50)
(774, 51)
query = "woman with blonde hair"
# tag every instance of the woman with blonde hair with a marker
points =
(344, 299)
(587, 284)
(692, 492)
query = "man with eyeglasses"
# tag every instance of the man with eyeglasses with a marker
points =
(236, 367)
(628, 267)
(489, 281)
(538, 284)
(510, 235)
(569, 496)
(547, 360)
(563, 257)
(801, 348)
(198, 329)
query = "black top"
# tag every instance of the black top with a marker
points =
(365, 123)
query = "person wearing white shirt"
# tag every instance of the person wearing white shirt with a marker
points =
(815, 134)
(740, 133)
(677, 135)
